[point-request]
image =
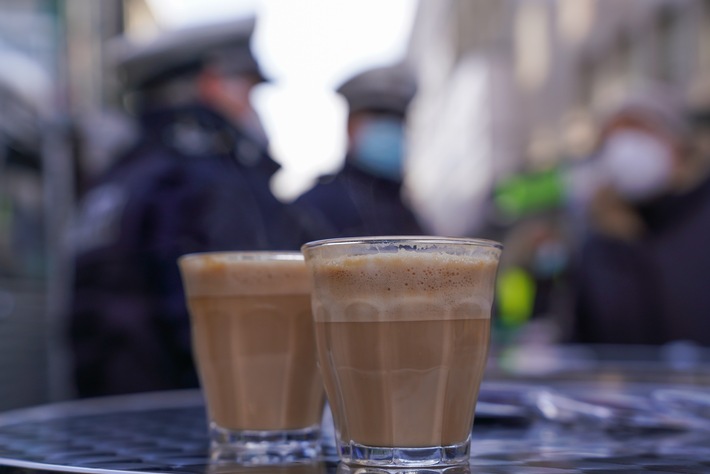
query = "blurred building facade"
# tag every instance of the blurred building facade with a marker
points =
(505, 86)
(50, 71)
(544, 71)
(28, 72)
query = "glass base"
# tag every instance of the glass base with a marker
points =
(404, 458)
(264, 447)
(351, 469)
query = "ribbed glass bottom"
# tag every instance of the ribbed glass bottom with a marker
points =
(264, 447)
(437, 457)
(352, 469)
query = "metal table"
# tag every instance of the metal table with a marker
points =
(166, 433)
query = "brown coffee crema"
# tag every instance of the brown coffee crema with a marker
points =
(404, 337)
(224, 274)
(253, 342)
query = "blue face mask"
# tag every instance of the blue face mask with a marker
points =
(379, 147)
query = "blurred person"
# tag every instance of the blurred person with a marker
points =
(97, 139)
(197, 180)
(533, 278)
(365, 196)
(644, 267)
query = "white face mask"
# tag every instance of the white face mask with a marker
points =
(638, 165)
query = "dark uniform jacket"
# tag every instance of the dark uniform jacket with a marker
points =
(354, 203)
(653, 290)
(193, 183)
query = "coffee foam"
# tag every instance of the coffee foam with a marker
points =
(225, 274)
(404, 286)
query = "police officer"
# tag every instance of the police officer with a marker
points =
(365, 196)
(196, 180)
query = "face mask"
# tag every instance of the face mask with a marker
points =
(550, 259)
(379, 147)
(637, 164)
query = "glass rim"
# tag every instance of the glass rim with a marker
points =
(397, 239)
(247, 255)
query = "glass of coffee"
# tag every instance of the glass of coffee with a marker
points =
(402, 329)
(253, 343)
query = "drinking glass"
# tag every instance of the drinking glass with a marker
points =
(254, 348)
(402, 328)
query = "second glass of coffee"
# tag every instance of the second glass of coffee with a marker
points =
(254, 347)
(402, 328)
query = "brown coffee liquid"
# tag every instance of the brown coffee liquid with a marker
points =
(257, 361)
(253, 341)
(403, 342)
(405, 383)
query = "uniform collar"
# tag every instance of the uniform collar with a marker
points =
(196, 130)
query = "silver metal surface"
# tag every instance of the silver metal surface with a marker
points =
(166, 433)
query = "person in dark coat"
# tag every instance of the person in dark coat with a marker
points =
(645, 266)
(196, 180)
(365, 196)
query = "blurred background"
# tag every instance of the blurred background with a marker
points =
(511, 93)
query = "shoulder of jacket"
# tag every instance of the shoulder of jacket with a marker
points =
(98, 219)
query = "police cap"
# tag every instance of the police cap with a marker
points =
(387, 88)
(226, 45)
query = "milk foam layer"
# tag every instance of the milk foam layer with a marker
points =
(404, 286)
(231, 273)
